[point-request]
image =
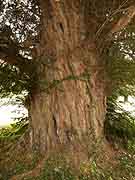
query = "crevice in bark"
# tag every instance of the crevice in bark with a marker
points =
(55, 125)
(61, 27)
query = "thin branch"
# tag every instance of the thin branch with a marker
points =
(124, 20)
(109, 17)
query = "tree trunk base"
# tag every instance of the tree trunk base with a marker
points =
(75, 155)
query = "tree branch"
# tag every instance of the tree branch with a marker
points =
(123, 21)
(9, 52)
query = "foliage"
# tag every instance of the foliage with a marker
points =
(120, 64)
(12, 80)
(119, 124)
(57, 169)
(20, 124)
(15, 130)
(18, 165)
(56, 172)
(18, 36)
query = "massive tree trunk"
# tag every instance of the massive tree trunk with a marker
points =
(69, 103)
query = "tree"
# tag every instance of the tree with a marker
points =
(66, 54)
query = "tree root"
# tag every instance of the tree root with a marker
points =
(32, 173)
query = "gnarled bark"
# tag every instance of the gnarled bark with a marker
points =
(71, 106)
(70, 102)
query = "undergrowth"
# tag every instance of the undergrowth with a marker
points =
(56, 168)
(124, 169)
(119, 131)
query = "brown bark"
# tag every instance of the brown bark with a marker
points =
(70, 107)
(69, 103)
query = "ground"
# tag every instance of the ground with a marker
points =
(107, 163)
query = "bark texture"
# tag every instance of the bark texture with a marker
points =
(69, 102)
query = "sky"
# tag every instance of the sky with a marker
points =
(5, 116)
(9, 112)
(129, 105)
